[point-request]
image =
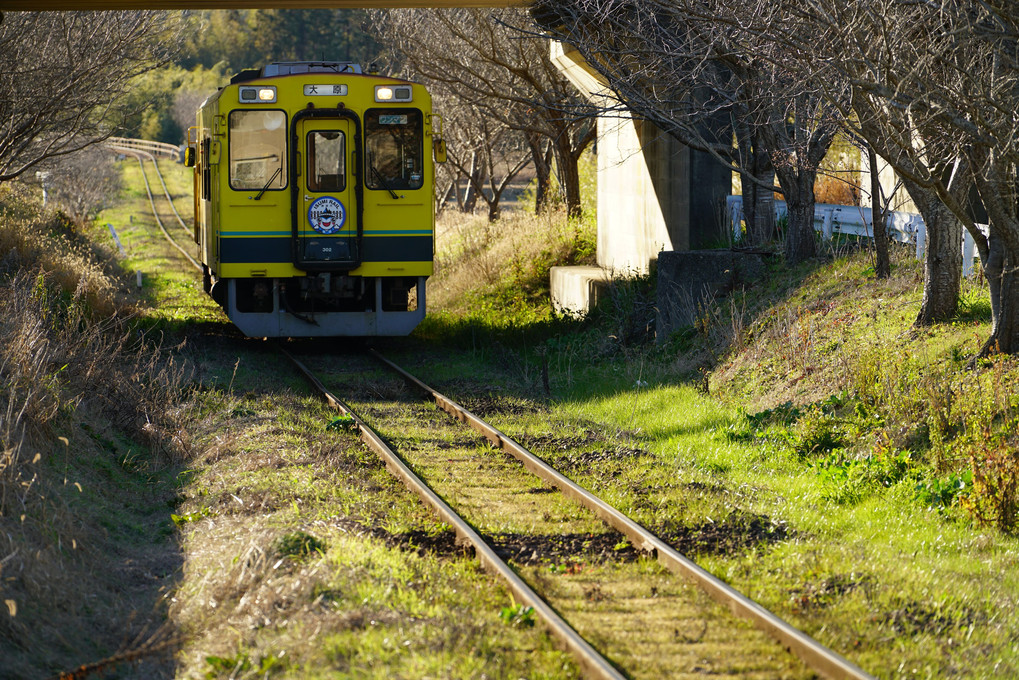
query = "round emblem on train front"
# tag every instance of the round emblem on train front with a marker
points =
(326, 215)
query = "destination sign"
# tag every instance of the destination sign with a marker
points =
(325, 90)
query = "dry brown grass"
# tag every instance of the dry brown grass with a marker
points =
(88, 425)
(473, 253)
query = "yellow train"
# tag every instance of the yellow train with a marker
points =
(314, 207)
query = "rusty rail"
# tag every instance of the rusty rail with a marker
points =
(593, 664)
(819, 657)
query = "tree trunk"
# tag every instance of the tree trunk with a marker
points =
(942, 274)
(996, 183)
(1004, 287)
(542, 172)
(758, 201)
(569, 176)
(882, 262)
(798, 186)
(800, 242)
(473, 184)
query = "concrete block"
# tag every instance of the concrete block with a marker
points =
(687, 281)
(575, 290)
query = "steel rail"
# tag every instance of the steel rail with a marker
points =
(117, 146)
(819, 657)
(148, 189)
(593, 664)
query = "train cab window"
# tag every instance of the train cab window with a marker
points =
(258, 144)
(327, 161)
(394, 142)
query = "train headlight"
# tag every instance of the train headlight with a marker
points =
(260, 95)
(389, 93)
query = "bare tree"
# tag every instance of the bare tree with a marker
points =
(934, 92)
(491, 60)
(483, 152)
(63, 74)
(83, 183)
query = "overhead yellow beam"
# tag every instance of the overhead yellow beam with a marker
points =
(48, 5)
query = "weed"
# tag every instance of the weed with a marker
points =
(816, 432)
(994, 497)
(189, 517)
(298, 544)
(518, 615)
(342, 423)
(845, 480)
(939, 494)
(230, 666)
(629, 312)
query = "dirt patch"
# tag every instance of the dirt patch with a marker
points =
(538, 549)
(709, 488)
(827, 591)
(551, 442)
(736, 534)
(605, 452)
(915, 618)
(487, 405)
(589, 459)
(442, 543)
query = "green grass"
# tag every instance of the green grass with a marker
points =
(171, 287)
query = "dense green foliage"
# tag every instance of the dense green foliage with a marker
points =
(219, 43)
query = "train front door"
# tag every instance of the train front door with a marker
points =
(326, 217)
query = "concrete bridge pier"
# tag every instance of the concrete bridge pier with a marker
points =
(654, 194)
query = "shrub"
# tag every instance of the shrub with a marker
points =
(994, 497)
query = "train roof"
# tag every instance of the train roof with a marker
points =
(286, 68)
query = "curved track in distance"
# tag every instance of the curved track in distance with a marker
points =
(141, 156)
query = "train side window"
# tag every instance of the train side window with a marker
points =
(206, 173)
(394, 142)
(327, 160)
(258, 146)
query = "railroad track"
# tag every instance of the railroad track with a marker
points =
(413, 468)
(141, 155)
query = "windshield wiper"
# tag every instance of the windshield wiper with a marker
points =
(383, 182)
(272, 179)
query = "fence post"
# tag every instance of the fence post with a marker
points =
(826, 224)
(920, 229)
(968, 244)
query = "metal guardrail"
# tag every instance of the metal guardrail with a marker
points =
(155, 148)
(855, 220)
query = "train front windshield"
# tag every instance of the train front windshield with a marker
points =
(258, 144)
(395, 144)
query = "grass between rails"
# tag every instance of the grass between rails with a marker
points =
(352, 601)
(652, 625)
